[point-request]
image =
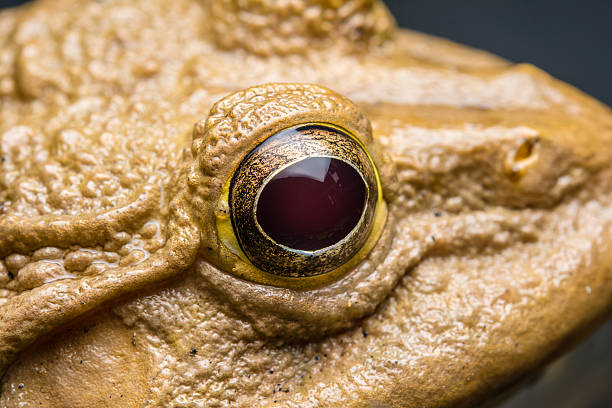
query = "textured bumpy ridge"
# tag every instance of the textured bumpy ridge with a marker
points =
(28, 316)
(25, 235)
(256, 113)
(271, 27)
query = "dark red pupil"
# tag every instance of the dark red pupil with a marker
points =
(312, 204)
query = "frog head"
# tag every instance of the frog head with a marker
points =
(138, 268)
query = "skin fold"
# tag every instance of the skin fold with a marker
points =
(121, 124)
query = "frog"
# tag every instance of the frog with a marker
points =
(139, 138)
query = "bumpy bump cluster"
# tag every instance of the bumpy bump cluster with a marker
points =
(239, 122)
(272, 27)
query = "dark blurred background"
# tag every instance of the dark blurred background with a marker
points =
(571, 40)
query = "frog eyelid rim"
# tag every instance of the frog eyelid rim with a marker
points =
(286, 145)
(249, 271)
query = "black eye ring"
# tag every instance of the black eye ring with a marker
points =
(274, 238)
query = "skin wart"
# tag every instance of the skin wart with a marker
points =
(121, 122)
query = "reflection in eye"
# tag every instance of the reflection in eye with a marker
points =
(303, 202)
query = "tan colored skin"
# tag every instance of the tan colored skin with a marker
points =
(115, 291)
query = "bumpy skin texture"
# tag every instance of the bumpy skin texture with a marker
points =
(115, 289)
(269, 27)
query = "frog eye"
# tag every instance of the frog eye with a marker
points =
(289, 185)
(302, 203)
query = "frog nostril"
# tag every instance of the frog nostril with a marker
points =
(520, 158)
(526, 149)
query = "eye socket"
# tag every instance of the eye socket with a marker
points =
(303, 202)
(245, 148)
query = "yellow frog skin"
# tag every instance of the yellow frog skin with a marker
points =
(123, 279)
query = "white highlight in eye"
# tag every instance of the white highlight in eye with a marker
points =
(312, 169)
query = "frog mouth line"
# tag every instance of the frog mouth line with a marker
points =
(33, 313)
